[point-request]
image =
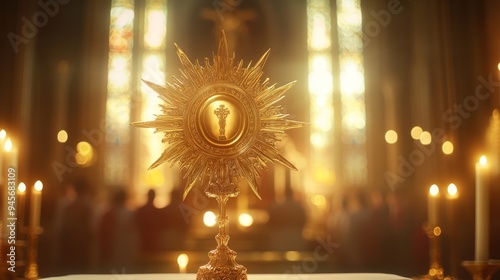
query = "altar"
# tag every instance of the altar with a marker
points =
(189, 276)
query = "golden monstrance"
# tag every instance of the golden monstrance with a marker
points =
(221, 121)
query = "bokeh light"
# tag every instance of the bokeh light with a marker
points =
(391, 136)
(209, 219)
(62, 136)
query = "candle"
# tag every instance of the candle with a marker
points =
(432, 206)
(182, 261)
(10, 155)
(21, 200)
(9, 160)
(3, 136)
(36, 203)
(452, 191)
(482, 210)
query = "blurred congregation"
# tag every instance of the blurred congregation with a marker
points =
(357, 231)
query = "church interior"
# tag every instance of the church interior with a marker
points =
(397, 162)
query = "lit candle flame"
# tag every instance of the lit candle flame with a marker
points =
(8, 145)
(434, 190)
(182, 261)
(38, 186)
(21, 187)
(3, 134)
(483, 161)
(452, 190)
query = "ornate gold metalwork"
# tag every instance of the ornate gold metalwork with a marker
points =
(221, 121)
(31, 272)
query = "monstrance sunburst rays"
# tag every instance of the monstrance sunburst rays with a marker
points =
(255, 120)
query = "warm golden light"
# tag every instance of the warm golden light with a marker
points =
(496, 114)
(209, 219)
(3, 134)
(320, 82)
(21, 188)
(425, 138)
(245, 219)
(62, 136)
(434, 190)
(452, 190)
(156, 28)
(81, 159)
(416, 131)
(292, 256)
(38, 186)
(437, 231)
(85, 153)
(84, 148)
(182, 261)
(391, 136)
(318, 200)
(318, 140)
(447, 148)
(498, 66)
(483, 161)
(8, 145)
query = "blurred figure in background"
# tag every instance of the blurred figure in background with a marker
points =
(352, 246)
(174, 226)
(149, 225)
(117, 234)
(401, 231)
(286, 223)
(375, 235)
(75, 230)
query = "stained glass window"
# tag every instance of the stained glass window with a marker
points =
(352, 126)
(352, 91)
(128, 98)
(121, 36)
(321, 92)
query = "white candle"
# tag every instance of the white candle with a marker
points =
(432, 211)
(9, 161)
(482, 210)
(20, 204)
(36, 203)
(182, 261)
(3, 136)
(452, 191)
(10, 155)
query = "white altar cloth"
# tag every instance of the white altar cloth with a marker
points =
(192, 276)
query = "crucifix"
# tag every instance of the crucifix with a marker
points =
(222, 112)
(233, 23)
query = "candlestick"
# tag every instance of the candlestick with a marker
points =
(36, 202)
(31, 272)
(482, 210)
(432, 206)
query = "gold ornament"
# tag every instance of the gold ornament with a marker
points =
(203, 142)
(221, 121)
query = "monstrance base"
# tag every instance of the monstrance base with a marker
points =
(222, 266)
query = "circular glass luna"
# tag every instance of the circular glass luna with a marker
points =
(222, 120)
